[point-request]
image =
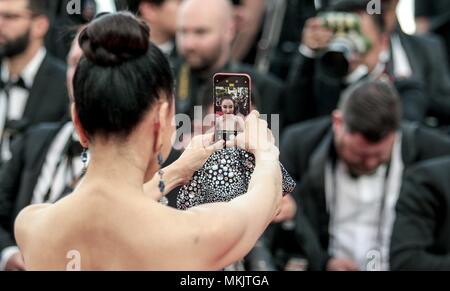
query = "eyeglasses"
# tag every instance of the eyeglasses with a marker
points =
(10, 17)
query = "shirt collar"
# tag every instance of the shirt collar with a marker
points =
(167, 47)
(30, 71)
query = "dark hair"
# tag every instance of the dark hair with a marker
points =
(39, 7)
(226, 97)
(371, 108)
(120, 76)
(357, 6)
(155, 2)
(133, 5)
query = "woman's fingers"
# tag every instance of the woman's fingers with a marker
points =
(216, 146)
(208, 139)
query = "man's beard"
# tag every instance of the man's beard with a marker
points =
(206, 64)
(15, 47)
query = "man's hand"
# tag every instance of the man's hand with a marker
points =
(315, 36)
(341, 265)
(15, 263)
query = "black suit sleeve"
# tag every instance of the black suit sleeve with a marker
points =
(308, 225)
(298, 105)
(289, 152)
(10, 174)
(424, 8)
(438, 74)
(431, 144)
(414, 101)
(417, 218)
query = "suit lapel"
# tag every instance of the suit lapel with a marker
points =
(410, 51)
(409, 147)
(317, 168)
(38, 90)
(318, 162)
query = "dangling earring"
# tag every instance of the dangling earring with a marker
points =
(84, 160)
(162, 185)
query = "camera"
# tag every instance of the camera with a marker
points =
(348, 41)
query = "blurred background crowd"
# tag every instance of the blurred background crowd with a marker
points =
(361, 90)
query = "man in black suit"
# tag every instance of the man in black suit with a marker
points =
(33, 83)
(421, 234)
(314, 91)
(45, 165)
(204, 37)
(349, 174)
(434, 17)
(422, 58)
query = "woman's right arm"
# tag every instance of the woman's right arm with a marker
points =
(230, 230)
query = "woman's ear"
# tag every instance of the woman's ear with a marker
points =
(84, 141)
(164, 111)
(161, 125)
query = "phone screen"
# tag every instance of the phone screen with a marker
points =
(231, 103)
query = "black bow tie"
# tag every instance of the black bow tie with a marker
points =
(19, 83)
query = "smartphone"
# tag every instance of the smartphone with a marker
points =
(232, 103)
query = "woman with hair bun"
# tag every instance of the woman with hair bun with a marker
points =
(122, 110)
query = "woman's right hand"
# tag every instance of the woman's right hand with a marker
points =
(256, 138)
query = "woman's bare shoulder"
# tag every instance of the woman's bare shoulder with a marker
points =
(29, 213)
(26, 220)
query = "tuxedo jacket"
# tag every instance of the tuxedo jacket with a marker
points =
(48, 99)
(19, 176)
(421, 234)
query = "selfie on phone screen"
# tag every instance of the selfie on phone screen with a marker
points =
(231, 103)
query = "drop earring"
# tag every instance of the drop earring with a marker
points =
(84, 160)
(162, 185)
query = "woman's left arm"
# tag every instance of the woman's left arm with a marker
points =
(181, 171)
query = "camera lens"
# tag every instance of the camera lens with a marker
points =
(335, 62)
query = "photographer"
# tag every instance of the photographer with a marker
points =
(338, 50)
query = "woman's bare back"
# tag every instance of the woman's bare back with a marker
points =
(101, 232)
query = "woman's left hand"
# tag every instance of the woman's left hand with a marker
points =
(181, 171)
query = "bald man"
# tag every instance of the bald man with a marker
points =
(205, 33)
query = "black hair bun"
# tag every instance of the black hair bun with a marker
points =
(113, 39)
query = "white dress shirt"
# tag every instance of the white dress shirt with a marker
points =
(402, 67)
(167, 48)
(357, 232)
(18, 98)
